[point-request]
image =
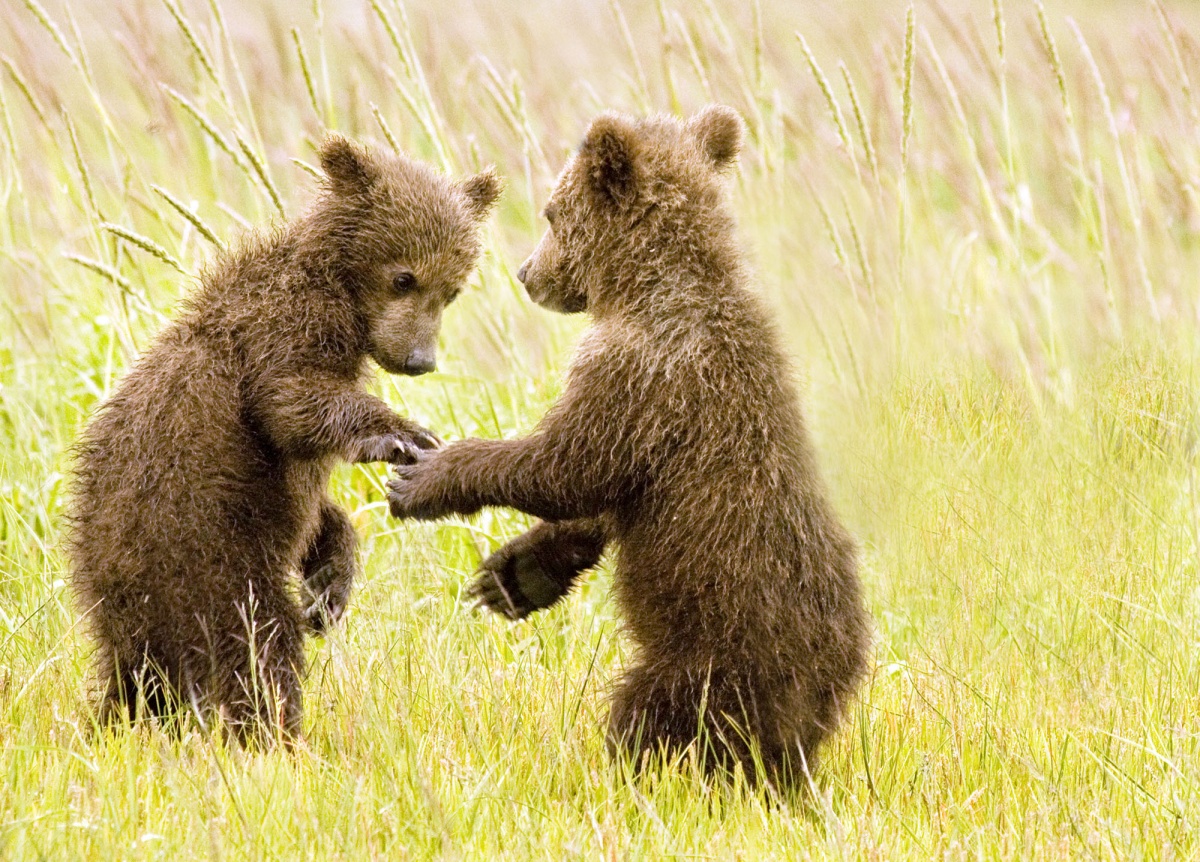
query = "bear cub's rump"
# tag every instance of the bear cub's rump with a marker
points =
(200, 486)
(679, 440)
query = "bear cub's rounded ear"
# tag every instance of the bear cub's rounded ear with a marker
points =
(482, 191)
(609, 152)
(346, 164)
(718, 130)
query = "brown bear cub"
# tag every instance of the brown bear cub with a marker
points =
(679, 439)
(200, 486)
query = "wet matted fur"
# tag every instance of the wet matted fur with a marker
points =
(199, 487)
(678, 439)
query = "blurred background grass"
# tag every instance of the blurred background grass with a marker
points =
(978, 224)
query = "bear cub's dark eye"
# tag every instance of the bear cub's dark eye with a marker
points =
(404, 282)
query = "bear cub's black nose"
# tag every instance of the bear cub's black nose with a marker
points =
(522, 272)
(420, 362)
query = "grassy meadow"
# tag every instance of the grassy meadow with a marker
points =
(979, 224)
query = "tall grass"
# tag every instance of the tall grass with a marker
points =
(978, 223)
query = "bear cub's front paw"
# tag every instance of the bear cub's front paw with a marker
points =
(325, 594)
(403, 448)
(514, 584)
(411, 491)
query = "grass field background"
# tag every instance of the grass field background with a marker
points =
(978, 224)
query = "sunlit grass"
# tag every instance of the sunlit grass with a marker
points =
(979, 229)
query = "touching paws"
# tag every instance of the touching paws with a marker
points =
(403, 448)
(409, 494)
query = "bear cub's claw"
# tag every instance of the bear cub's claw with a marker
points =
(424, 438)
(325, 594)
(514, 585)
(404, 448)
(414, 491)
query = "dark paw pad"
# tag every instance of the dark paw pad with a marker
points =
(516, 588)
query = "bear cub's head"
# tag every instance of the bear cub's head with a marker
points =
(634, 188)
(404, 238)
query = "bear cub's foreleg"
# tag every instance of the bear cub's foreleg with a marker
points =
(328, 569)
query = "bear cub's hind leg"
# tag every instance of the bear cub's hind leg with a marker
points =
(132, 691)
(257, 670)
(328, 569)
(539, 567)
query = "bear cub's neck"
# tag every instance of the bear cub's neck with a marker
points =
(689, 268)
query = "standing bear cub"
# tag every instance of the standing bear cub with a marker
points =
(200, 486)
(679, 439)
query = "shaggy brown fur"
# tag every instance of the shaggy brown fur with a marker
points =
(200, 485)
(678, 438)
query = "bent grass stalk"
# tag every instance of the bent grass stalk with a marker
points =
(191, 217)
(831, 102)
(302, 56)
(198, 49)
(145, 244)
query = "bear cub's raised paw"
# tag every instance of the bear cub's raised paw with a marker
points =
(405, 448)
(198, 489)
(535, 570)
